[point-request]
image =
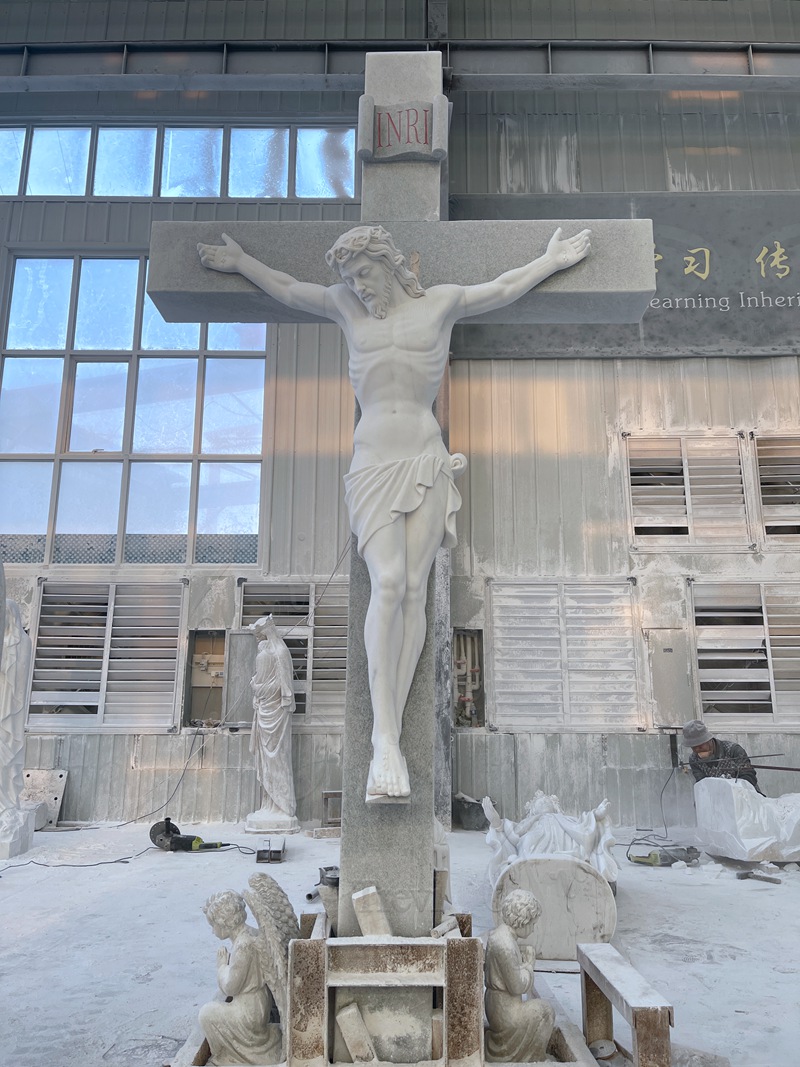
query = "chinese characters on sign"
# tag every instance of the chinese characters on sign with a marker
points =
(777, 261)
(698, 261)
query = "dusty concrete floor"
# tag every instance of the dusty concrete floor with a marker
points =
(107, 965)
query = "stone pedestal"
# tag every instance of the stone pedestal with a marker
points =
(388, 845)
(402, 966)
(265, 821)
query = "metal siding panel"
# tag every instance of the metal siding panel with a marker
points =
(481, 443)
(503, 455)
(283, 471)
(305, 448)
(460, 441)
(523, 429)
(548, 480)
(573, 451)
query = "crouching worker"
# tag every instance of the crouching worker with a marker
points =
(714, 758)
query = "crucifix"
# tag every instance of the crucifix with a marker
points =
(401, 491)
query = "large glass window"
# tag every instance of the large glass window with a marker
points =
(158, 513)
(125, 162)
(40, 303)
(29, 402)
(259, 163)
(165, 404)
(156, 415)
(240, 162)
(88, 513)
(324, 163)
(23, 525)
(12, 145)
(227, 513)
(98, 407)
(106, 304)
(233, 402)
(192, 163)
(59, 161)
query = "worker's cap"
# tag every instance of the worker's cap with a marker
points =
(696, 733)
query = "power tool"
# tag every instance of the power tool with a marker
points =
(665, 857)
(167, 835)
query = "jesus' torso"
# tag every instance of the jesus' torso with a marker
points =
(396, 366)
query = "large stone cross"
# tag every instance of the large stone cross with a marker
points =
(402, 147)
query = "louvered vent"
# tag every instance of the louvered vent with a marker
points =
(779, 480)
(732, 658)
(109, 651)
(688, 490)
(564, 654)
(315, 634)
(68, 668)
(143, 655)
(658, 490)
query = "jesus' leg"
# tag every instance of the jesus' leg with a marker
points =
(384, 555)
(424, 535)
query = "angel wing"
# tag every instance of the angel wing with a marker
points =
(277, 924)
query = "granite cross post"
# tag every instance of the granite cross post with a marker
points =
(402, 146)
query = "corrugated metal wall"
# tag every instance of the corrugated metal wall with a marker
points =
(205, 777)
(581, 769)
(649, 20)
(545, 494)
(62, 21)
(569, 142)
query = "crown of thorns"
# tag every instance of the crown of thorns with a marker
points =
(353, 242)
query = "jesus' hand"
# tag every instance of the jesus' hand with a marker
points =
(565, 253)
(226, 258)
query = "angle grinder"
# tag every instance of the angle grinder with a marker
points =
(167, 835)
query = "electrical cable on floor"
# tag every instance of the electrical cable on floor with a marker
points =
(96, 863)
(654, 840)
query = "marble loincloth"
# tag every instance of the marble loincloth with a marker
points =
(378, 495)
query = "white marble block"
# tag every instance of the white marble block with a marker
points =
(17, 827)
(735, 821)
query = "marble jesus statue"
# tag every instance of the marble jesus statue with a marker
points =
(399, 492)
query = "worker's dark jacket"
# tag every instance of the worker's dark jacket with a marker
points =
(729, 761)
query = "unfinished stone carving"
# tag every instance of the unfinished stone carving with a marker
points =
(519, 1030)
(735, 821)
(577, 903)
(271, 736)
(16, 824)
(547, 831)
(400, 491)
(253, 974)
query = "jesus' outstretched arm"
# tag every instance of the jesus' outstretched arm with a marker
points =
(230, 258)
(511, 285)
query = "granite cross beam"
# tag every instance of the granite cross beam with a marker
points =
(614, 285)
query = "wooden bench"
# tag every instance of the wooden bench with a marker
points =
(608, 981)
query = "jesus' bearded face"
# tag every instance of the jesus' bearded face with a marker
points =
(370, 280)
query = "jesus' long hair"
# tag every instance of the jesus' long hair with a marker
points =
(376, 243)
